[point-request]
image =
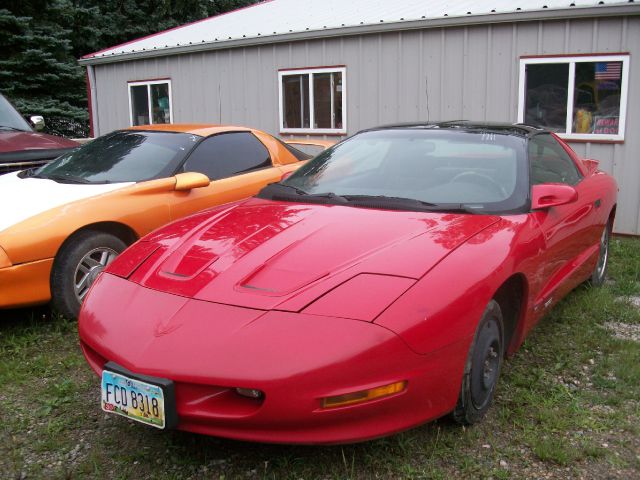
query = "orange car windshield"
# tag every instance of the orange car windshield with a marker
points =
(122, 156)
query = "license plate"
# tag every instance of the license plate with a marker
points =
(134, 399)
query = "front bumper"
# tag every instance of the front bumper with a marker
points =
(25, 284)
(210, 349)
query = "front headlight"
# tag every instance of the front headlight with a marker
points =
(4, 259)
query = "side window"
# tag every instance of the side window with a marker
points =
(228, 154)
(550, 163)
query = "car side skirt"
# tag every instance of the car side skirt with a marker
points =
(25, 284)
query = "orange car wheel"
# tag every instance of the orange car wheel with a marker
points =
(77, 265)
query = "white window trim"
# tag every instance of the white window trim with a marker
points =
(310, 71)
(572, 60)
(148, 83)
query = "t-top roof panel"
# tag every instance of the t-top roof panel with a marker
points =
(273, 18)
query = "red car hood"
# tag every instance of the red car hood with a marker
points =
(270, 255)
(18, 141)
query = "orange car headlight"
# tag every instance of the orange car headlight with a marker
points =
(4, 259)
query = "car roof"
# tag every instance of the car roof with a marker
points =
(467, 125)
(202, 129)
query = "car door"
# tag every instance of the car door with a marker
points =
(238, 165)
(568, 230)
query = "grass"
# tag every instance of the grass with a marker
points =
(567, 406)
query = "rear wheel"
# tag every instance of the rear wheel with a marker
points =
(482, 369)
(600, 272)
(77, 266)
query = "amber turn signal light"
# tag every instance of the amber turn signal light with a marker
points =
(364, 395)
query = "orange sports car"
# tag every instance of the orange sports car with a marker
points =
(62, 223)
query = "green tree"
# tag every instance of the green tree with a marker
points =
(37, 68)
(42, 40)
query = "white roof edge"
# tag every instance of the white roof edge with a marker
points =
(128, 51)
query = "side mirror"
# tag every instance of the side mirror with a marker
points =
(190, 180)
(548, 195)
(591, 164)
(38, 122)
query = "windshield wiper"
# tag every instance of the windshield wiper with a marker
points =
(277, 191)
(296, 190)
(28, 172)
(56, 177)
(408, 203)
(453, 208)
(385, 198)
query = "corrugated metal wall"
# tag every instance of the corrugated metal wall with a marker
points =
(437, 74)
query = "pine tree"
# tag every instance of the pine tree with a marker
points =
(37, 68)
(42, 40)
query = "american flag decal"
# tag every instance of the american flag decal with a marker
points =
(608, 70)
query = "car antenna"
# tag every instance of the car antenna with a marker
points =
(426, 92)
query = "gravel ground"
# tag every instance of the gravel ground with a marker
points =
(624, 331)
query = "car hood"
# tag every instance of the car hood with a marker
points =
(19, 141)
(276, 255)
(22, 198)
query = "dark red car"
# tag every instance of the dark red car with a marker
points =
(378, 287)
(20, 146)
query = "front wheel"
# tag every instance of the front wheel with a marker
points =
(600, 272)
(77, 265)
(482, 369)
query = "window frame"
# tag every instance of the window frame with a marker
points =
(148, 84)
(572, 60)
(311, 72)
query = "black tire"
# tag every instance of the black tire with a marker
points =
(71, 265)
(600, 271)
(482, 369)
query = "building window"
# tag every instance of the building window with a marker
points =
(580, 98)
(150, 102)
(313, 100)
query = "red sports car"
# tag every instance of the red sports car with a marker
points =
(378, 287)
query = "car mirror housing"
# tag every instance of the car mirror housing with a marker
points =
(549, 195)
(591, 164)
(190, 180)
(38, 122)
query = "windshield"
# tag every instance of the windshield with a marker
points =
(476, 170)
(123, 156)
(10, 119)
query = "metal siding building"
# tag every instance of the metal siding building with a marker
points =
(454, 67)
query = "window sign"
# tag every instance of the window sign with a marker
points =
(150, 102)
(313, 100)
(581, 97)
